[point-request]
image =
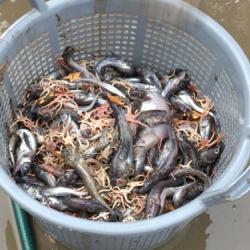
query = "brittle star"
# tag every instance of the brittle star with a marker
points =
(130, 117)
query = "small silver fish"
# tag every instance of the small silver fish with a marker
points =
(186, 98)
(61, 191)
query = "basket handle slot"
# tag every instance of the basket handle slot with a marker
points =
(234, 191)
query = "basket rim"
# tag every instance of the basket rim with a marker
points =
(174, 218)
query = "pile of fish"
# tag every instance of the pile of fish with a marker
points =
(104, 140)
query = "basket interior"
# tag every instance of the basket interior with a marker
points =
(157, 43)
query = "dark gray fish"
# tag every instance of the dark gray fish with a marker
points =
(83, 98)
(75, 67)
(90, 206)
(211, 155)
(192, 172)
(60, 116)
(122, 164)
(147, 139)
(152, 155)
(74, 159)
(70, 178)
(164, 153)
(178, 104)
(56, 75)
(175, 85)
(152, 118)
(189, 152)
(207, 127)
(154, 202)
(30, 180)
(166, 193)
(90, 106)
(163, 171)
(115, 63)
(33, 92)
(180, 196)
(44, 176)
(110, 74)
(148, 76)
(32, 190)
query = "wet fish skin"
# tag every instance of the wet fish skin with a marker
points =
(175, 85)
(68, 59)
(155, 102)
(95, 149)
(107, 87)
(166, 149)
(130, 79)
(68, 179)
(30, 180)
(32, 190)
(60, 192)
(163, 171)
(147, 139)
(148, 76)
(193, 172)
(122, 163)
(154, 202)
(56, 75)
(91, 206)
(188, 100)
(166, 193)
(90, 106)
(83, 98)
(180, 196)
(211, 155)
(207, 126)
(56, 203)
(44, 176)
(152, 155)
(74, 159)
(178, 104)
(188, 151)
(152, 118)
(115, 63)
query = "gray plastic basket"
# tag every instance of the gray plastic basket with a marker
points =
(163, 34)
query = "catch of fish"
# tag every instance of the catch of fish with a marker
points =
(104, 140)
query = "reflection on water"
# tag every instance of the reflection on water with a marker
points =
(224, 227)
(193, 237)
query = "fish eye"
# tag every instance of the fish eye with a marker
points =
(217, 151)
